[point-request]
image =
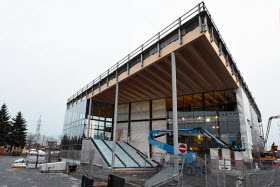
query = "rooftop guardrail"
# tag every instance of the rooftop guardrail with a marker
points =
(164, 32)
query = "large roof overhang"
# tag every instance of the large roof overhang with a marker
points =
(203, 63)
(199, 68)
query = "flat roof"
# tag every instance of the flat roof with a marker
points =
(203, 64)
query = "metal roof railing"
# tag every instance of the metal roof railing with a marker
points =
(156, 38)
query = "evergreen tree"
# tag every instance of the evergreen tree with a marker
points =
(18, 135)
(5, 125)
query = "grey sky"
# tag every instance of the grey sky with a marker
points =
(51, 49)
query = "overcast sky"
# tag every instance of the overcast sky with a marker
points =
(51, 49)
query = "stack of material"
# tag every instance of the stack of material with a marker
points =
(55, 167)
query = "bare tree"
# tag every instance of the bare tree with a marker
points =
(30, 139)
(59, 138)
(45, 140)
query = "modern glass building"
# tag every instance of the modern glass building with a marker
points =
(210, 90)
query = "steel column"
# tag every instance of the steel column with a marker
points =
(227, 61)
(142, 56)
(117, 72)
(158, 45)
(205, 24)
(128, 58)
(115, 126)
(179, 31)
(99, 83)
(108, 78)
(199, 18)
(220, 48)
(174, 102)
(89, 115)
(212, 34)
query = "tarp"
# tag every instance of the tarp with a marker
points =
(139, 136)
(159, 108)
(140, 110)
(238, 155)
(122, 129)
(245, 118)
(214, 154)
(123, 111)
(159, 125)
(226, 154)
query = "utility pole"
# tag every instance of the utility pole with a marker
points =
(38, 131)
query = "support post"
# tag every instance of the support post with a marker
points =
(174, 100)
(220, 48)
(89, 115)
(205, 24)
(158, 45)
(108, 78)
(142, 56)
(206, 182)
(115, 126)
(128, 58)
(225, 183)
(227, 62)
(99, 86)
(199, 18)
(179, 31)
(212, 34)
(117, 72)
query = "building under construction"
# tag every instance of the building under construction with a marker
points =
(187, 60)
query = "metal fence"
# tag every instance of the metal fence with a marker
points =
(218, 172)
(73, 156)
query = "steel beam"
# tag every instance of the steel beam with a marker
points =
(116, 75)
(179, 31)
(220, 48)
(158, 45)
(199, 18)
(205, 24)
(174, 102)
(115, 126)
(227, 62)
(89, 115)
(108, 78)
(142, 56)
(212, 34)
(128, 58)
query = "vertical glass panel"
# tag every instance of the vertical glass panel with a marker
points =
(95, 110)
(109, 115)
(188, 103)
(230, 100)
(224, 131)
(211, 122)
(101, 125)
(209, 101)
(180, 113)
(103, 111)
(169, 104)
(220, 100)
(198, 119)
(197, 102)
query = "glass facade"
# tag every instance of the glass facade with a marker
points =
(74, 121)
(100, 121)
(214, 111)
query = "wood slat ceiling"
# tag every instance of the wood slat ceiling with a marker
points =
(199, 69)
